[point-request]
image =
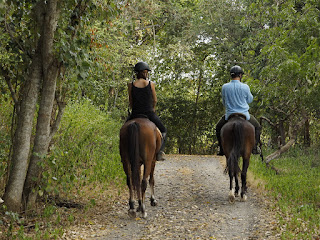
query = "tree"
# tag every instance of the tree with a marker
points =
(45, 36)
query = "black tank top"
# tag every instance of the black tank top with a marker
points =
(142, 99)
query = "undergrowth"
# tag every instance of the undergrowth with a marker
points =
(83, 168)
(295, 190)
(85, 150)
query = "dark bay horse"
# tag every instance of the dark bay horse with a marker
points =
(140, 141)
(238, 140)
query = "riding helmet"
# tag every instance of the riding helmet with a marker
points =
(140, 66)
(236, 70)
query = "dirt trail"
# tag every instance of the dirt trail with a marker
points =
(192, 194)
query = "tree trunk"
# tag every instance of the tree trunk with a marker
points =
(42, 139)
(282, 133)
(282, 149)
(43, 136)
(21, 144)
(307, 140)
(193, 135)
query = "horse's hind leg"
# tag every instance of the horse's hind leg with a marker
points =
(244, 179)
(131, 210)
(142, 207)
(231, 192)
(153, 201)
(237, 185)
(143, 189)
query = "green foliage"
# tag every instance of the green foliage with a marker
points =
(295, 191)
(5, 138)
(85, 150)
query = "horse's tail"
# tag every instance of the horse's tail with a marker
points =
(133, 140)
(233, 160)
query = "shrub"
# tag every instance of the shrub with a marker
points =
(85, 150)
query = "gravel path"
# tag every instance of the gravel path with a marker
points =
(192, 194)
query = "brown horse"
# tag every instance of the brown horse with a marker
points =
(140, 141)
(238, 140)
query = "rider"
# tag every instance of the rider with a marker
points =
(143, 99)
(235, 97)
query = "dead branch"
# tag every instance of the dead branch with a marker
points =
(267, 120)
(293, 136)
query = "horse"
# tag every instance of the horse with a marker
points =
(238, 140)
(140, 141)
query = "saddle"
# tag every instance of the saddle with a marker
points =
(237, 115)
(142, 116)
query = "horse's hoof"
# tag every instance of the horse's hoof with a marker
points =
(231, 196)
(236, 194)
(244, 198)
(232, 199)
(132, 213)
(153, 202)
(144, 215)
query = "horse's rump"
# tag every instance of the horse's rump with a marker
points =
(238, 133)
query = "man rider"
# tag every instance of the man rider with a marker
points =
(236, 97)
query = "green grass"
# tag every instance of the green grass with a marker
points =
(295, 191)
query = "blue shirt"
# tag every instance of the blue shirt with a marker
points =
(236, 97)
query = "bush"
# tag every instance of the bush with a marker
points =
(85, 150)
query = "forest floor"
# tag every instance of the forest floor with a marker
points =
(192, 194)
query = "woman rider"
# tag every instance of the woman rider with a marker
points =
(143, 100)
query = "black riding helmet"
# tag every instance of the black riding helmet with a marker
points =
(235, 71)
(140, 66)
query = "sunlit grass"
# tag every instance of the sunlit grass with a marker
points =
(295, 191)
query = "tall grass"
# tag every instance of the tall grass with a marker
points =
(85, 150)
(295, 191)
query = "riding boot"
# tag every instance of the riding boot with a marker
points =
(220, 153)
(161, 154)
(256, 149)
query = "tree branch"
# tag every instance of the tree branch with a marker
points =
(14, 96)
(56, 123)
(267, 120)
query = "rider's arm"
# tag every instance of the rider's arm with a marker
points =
(129, 93)
(154, 96)
(223, 96)
(249, 97)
